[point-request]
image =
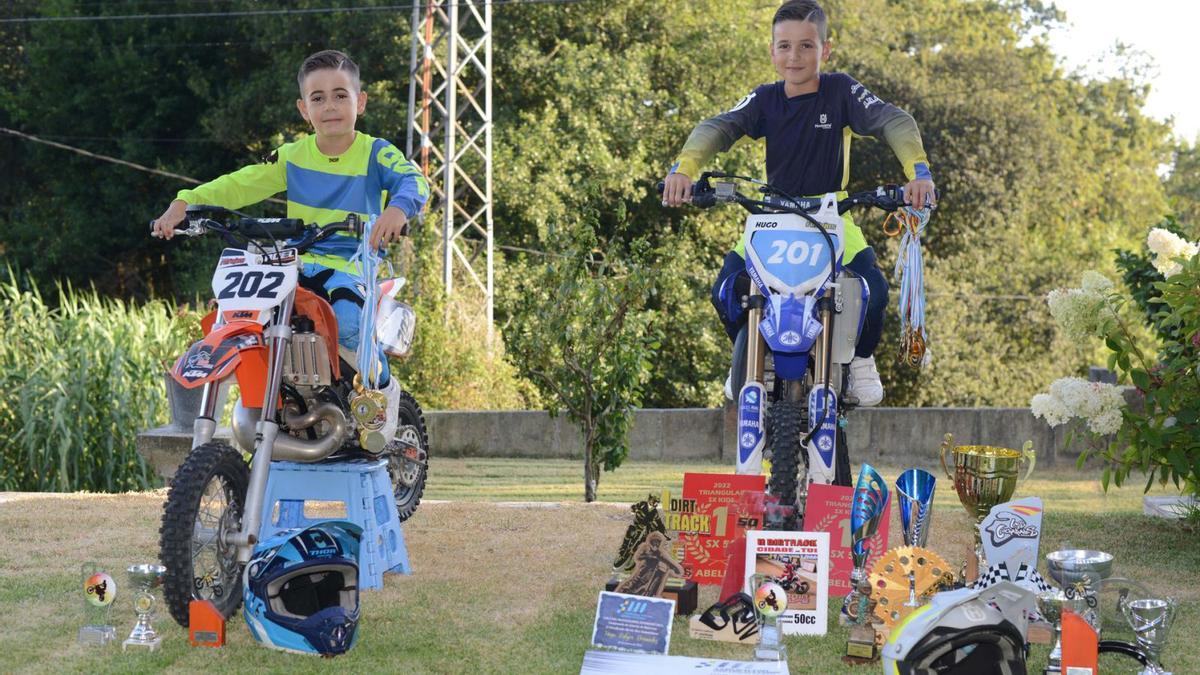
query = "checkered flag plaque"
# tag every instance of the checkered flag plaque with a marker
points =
(1025, 577)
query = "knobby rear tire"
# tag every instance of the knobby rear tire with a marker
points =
(785, 428)
(408, 498)
(213, 460)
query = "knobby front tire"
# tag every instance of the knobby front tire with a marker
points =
(785, 429)
(205, 502)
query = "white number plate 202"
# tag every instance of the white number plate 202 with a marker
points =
(253, 287)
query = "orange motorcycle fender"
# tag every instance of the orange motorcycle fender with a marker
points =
(236, 347)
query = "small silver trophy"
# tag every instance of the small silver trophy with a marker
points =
(770, 602)
(145, 578)
(1050, 606)
(866, 509)
(1151, 620)
(99, 591)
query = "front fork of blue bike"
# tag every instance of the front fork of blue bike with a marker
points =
(752, 398)
(823, 403)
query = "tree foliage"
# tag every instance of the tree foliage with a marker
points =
(586, 341)
(1043, 171)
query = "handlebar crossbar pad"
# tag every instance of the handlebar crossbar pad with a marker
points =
(273, 228)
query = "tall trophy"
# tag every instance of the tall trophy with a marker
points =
(99, 591)
(145, 578)
(770, 602)
(866, 508)
(1150, 619)
(984, 476)
(914, 494)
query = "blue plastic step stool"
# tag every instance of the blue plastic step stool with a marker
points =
(366, 490)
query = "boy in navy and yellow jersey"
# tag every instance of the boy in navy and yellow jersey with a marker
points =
(327, 176)
(807, 119)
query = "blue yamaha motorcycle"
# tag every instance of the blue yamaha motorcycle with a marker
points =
(804, 312)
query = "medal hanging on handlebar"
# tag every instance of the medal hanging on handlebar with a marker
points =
(908, 224)
(368, 404)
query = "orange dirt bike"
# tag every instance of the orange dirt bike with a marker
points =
(301, 400)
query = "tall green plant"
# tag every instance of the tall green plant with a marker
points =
(80, 380)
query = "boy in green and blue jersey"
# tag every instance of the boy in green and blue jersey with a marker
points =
(808, 118)
(327, 176)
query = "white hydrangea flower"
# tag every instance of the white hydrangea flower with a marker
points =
(1109, 422)
(1098, 403)
(1168, 249)
(1080, 313)
(1050, 409)
(1094, 282)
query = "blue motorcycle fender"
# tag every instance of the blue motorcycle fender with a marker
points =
(790, 324)
(790, 366)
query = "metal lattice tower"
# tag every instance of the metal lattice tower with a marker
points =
(450, 131)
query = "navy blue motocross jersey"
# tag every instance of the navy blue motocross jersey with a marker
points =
(808, 136)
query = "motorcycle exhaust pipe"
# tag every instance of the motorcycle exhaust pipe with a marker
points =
(288, 447)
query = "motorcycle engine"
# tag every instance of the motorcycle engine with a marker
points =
(306, 366)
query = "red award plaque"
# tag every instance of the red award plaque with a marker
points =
(828, 510)
(731, 505)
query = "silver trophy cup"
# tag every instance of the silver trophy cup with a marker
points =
(1079, 574)
(1150, 619)
(144, 578)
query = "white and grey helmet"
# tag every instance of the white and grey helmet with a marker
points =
(976, 631)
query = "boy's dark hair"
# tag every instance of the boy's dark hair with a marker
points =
(803, 10)
(329, 58)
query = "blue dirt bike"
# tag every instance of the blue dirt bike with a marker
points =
(790, 373)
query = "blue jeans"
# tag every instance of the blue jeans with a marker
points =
(864, 265)
(348, 312)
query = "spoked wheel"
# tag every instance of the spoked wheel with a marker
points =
(408, 457)
(785, 426)
(204, 505)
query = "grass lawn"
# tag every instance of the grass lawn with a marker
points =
(502, 587)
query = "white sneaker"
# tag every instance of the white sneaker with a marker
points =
(864, 381)
(388, 431)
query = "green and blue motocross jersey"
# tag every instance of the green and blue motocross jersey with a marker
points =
(808, 138)
(369, 177)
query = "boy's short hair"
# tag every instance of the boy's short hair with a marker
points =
(329, 58)
(803, 10)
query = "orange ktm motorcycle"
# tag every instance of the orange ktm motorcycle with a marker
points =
(302, 400)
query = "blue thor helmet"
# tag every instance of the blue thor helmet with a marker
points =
(301, 589)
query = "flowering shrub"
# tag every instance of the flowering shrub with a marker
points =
(1098, 403)
(1170, 251)
(1161, 437)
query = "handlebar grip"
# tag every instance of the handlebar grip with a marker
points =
(182, 226)
(275, 228)
(702, 200)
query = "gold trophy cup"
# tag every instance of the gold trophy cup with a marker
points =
(985, 476)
